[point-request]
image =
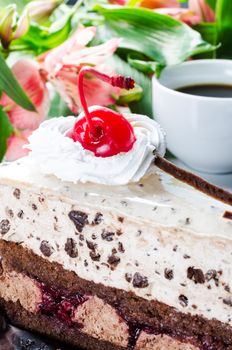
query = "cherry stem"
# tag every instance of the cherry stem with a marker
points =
(117, 81)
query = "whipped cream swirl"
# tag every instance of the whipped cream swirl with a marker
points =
(57, 154)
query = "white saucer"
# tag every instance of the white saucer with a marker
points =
(222, 180)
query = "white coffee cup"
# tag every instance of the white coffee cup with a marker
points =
(199, 129)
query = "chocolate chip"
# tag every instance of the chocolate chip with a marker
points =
(120, 218)
(128, 277)
(98, 219)
(113, 260)
(91, 245)
(81, 238)
(107, 236)
(212, 275)
(227, 288)
(94, 255)
(187, 221)
(20, 214)
(186, 256)
(9, 212)
(196, 275)
(183, 300)
(71, 248)
(42, 199)
(121, 248)
(86, 263)
(46, 248)
(227, 215)
(175, 248)
(140, 281)
(17, 193)
(34, 206)
(4, 226)
(168, 274)
(119, 232)
(228, 301)
(94, 236)
(79, 218)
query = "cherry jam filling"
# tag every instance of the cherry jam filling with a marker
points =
(102, 130)
(60, 304)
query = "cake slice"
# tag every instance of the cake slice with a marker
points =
(102, 250)
(140, 266)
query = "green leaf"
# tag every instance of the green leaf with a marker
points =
(40, 38)
(224, 28)
(133, 95)
(11, 87)
(144, 106)
(159, 37)
(212, 3)
(208, 32)
(6, 130)
(20, 3)
(58, 107)
(133, 2)
(147, 67)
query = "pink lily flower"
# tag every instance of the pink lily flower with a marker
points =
(61, 66)
(183, 15)
(15, 145)
(27, 73)
(202, 9)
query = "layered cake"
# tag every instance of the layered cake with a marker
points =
(103, 250)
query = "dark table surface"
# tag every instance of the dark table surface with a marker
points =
(12, 338)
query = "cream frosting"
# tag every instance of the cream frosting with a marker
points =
(57, 154)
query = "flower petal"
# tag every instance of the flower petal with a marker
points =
(78, 41)
(22, 25)
(202, 9)
(159, 3)
(28, 75)
(15, 148)
(183, 15)
(64, 75)
(94, 55)
(40, 10)
(66, 84)
(7, 24)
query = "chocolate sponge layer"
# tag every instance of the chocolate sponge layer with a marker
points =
(158, 318)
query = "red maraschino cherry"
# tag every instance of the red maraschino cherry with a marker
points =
(103, 131)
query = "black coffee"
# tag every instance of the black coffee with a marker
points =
(208, 90)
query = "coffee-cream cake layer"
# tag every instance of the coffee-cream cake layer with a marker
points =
(158, 238)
